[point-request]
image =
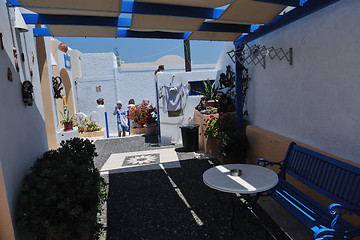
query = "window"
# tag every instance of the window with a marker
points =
(197, 86)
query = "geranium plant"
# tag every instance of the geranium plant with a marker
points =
(143, 113)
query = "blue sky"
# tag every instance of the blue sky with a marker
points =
(134, 50)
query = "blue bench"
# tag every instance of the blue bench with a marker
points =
(336, 180)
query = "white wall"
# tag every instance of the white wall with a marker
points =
(23, 134)
(316, 100)
(169, 126)
(128, 81)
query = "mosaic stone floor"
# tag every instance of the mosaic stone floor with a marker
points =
(141, 161)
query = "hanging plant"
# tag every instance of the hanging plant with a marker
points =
(28, 93)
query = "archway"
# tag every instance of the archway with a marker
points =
(68, 91)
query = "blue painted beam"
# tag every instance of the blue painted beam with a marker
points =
(239, 96)
(308, 8)
(224, 27)
(292, 3)
(46, 19)
(13, 3)
(170, 10)
(44, 32)
(162, 35)
(41, 32)
(76, 20)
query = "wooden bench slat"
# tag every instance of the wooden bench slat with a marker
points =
(339, 184)
(336, 174)
(349, 187)
(356, 192)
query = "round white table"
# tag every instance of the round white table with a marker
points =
(253, 179)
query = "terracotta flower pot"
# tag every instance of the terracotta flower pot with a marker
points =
(68, 126)
(151, 129)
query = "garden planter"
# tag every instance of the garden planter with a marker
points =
(212, 103)
(211, 146)
(150, 129)
(68, 126)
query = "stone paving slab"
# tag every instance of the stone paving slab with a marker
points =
(140, 161)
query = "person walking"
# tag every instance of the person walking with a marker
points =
(121, 119)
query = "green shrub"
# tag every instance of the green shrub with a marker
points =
(63, 194)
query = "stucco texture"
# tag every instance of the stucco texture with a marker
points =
(316, 100)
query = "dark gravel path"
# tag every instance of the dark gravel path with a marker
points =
(147, 205)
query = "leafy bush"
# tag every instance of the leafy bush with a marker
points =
(88, 126)
(63, 194)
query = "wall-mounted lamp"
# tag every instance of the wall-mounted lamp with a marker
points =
(19, 21)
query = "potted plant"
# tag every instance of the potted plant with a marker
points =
(67, 120)
(210, 93)
(63, 194)
(144, 115)
(212, 135)
(233, 147)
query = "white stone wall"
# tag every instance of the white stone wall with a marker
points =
(129, 81)
(316, 100)
(23, 134)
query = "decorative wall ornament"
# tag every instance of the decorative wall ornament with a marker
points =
(227, 79)
(28, 93)
(57, 87)
(256, 54)
(9, 75)
(63, 47)
(1, 41)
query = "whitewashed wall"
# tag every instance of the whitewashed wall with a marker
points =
(23, 133)
(133, 81)
(316, 100)
(169, 126)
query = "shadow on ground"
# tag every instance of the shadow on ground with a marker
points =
(148, 205)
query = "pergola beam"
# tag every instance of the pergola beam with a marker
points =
(174, 10)
(47, 19)
(291, 3)
(44, 32)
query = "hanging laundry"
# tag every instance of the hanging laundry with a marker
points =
(174, 98)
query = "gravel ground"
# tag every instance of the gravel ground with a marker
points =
(150, 204)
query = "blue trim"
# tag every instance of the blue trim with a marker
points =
(170, 10)
(163, 35)
(283, 20)
(107, 125)
(13, 3)
(44, 32)
(223, 27)
(292, 3)
(41, 32)
(119, 22)
(76, 20)
(67, 61)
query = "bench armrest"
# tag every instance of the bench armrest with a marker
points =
(338, 210)
(265, 163)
